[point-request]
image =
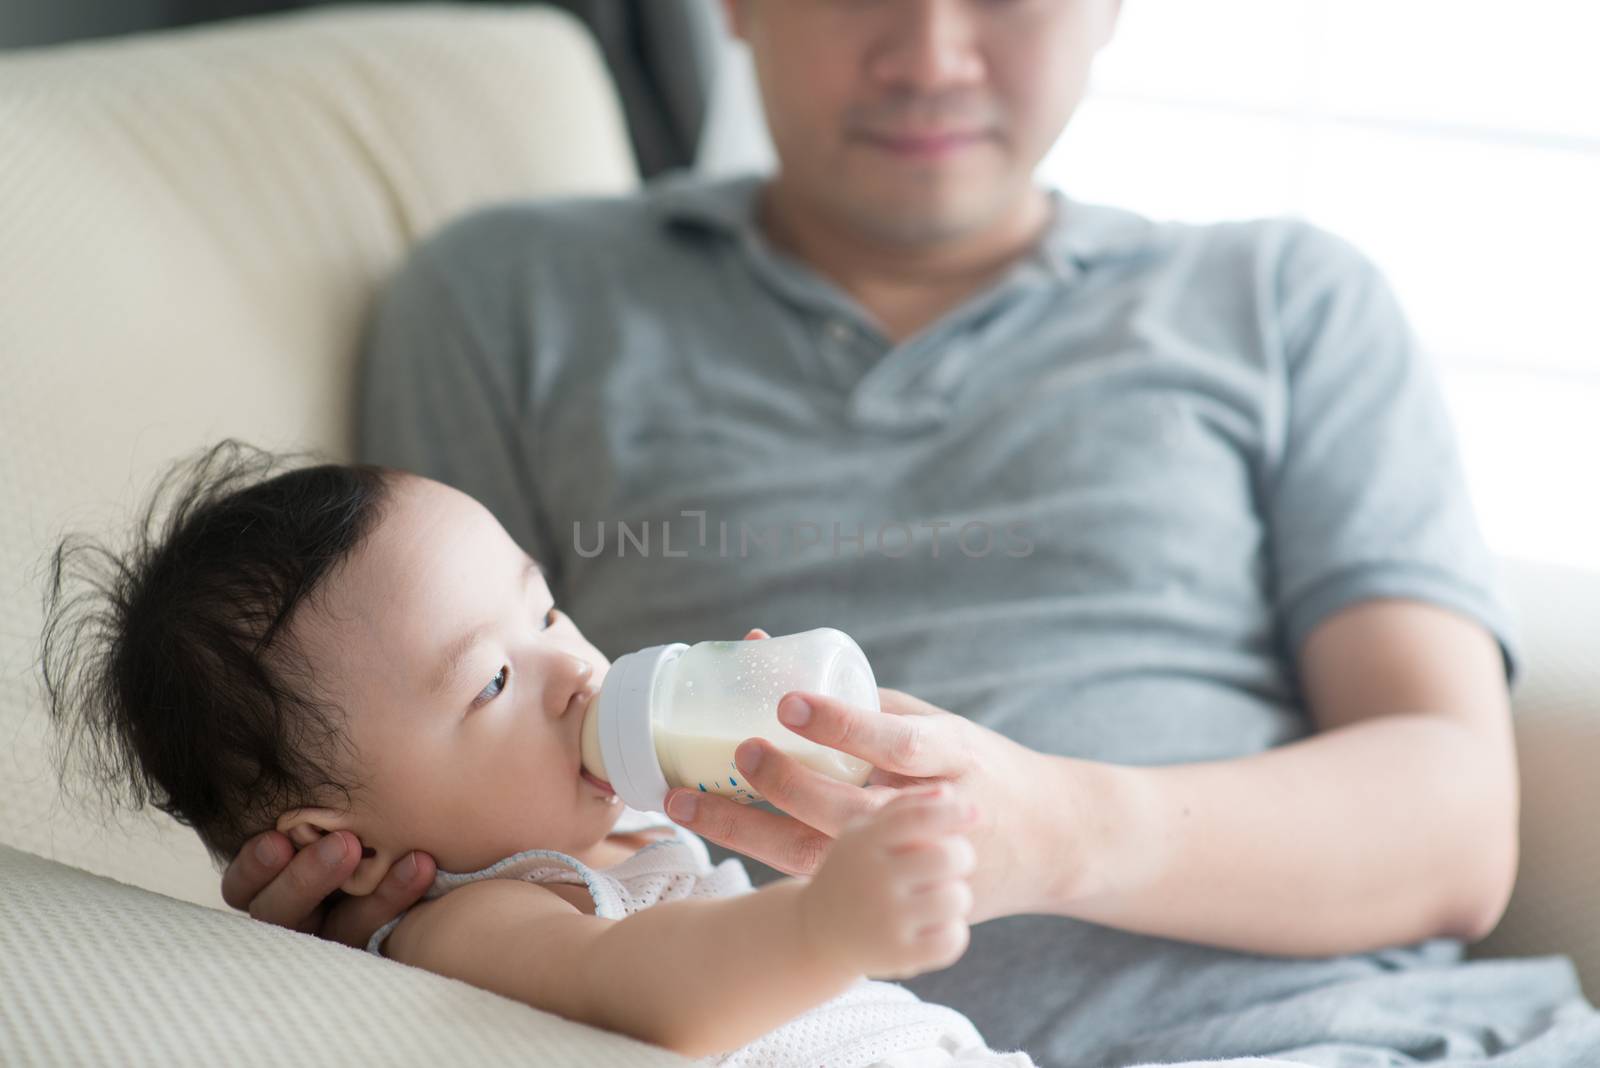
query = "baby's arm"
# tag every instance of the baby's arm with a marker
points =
(703, 976)
(695, 976)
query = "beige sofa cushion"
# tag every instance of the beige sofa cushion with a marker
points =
(95, 972)
(191, 225)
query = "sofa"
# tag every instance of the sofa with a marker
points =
(192, 224)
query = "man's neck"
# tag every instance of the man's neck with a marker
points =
(904, 285)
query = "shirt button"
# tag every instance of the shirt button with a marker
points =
(840, 331)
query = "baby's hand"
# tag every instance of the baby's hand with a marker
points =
(891, 899)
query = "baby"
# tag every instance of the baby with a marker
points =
(352, 647)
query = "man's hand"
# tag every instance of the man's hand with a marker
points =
(910, 743)
(272, 882)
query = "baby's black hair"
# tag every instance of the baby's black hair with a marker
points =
(169, 672)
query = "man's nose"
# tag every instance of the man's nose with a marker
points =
(929, 45)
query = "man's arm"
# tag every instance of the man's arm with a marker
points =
(1396, 822)
(697, 976)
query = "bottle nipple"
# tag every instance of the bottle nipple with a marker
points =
(589, 744)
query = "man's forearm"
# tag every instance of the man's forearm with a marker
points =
(1383, 832)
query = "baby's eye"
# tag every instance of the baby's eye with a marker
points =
(498, 683)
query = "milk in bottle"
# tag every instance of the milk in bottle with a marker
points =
(672, 715)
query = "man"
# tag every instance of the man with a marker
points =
(1169, 517)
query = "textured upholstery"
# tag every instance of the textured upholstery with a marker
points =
(191, 225)
(94, 972)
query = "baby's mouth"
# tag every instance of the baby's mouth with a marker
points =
(588, 698)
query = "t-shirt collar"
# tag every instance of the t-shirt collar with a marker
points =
(1079, 234)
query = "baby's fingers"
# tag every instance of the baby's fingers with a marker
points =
(937, 903)
(920, 816)
(947, 856)
(944, 943)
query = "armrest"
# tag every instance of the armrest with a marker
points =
(1556, 710)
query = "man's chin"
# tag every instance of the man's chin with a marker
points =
(912, 213)
(925, 222)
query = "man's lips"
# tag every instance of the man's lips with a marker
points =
(925, 145)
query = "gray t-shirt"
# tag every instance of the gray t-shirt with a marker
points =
(1095, 507)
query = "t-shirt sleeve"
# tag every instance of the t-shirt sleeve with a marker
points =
(1366, 495)
(436, 396)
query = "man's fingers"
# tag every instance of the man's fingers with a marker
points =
(803, 792)
(776, 840)
(293, 897)
(353, 920)
(897, 739)
(256, 864)
(755, 634)
(900, 703)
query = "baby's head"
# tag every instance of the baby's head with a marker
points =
(322, 648)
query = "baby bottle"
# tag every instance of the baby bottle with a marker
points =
(672, 715)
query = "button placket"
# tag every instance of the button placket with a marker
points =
(844, 346)
(944, 359)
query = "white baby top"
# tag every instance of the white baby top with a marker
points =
(865, 1025)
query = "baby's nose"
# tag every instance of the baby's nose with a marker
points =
(569, 680)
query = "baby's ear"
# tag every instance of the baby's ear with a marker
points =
(306, 826)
